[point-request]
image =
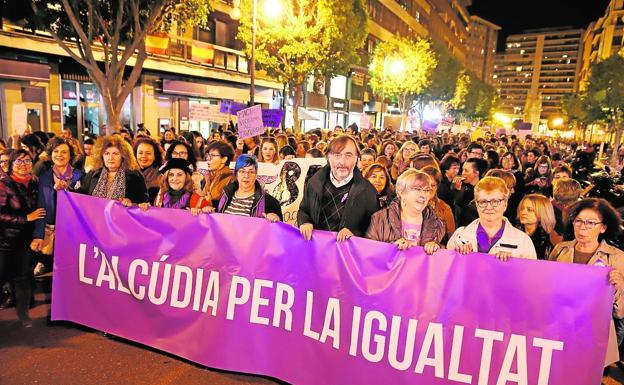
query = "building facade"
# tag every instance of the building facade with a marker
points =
(603, 38)
(481, 48)
(537, 69)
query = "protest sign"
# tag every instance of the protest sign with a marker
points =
(231, 107)
(250, 122)
(207, 113)
(272, 117)
(246, 295)
(365, 121)
(19, 118)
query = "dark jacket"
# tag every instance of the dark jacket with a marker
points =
(386, 225)
(360, 206)
(461, 207)
(541, 241)
(446, 191)
(263, 203)
(136, 190)
(47, 199)
(16, 202)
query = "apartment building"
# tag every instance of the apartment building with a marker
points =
(536, 70)
(602, 39)
(481, 48)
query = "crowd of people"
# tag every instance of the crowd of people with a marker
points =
(507, 196)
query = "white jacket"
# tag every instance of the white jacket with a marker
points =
(515, 241)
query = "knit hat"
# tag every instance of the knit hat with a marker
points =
(245, 161)
(179, 163)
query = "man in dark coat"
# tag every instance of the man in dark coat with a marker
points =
(338, 198)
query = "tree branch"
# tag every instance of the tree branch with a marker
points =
(75, 22)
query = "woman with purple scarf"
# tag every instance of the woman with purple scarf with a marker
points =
(58, 175)
(245, 196)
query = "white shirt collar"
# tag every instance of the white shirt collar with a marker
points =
(341, 183)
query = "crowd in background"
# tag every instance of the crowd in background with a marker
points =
(502, 195)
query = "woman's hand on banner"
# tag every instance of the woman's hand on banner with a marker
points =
(343, 235)
(616, 278)
(271, 217)
(402, 244)
(144, 206)
(503, 255)
(306, 230)
(431, 247)
(125, 202)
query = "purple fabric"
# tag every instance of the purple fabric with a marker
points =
(520, 299)
(484, 243)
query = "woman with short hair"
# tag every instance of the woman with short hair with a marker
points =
(245, 196)
(537, 219)
(491, 232)
(218, 156)
(115, 174)
(409, 221)
(177, 189)
(593, 222)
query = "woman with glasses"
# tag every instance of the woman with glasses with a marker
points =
(593, 222)
(409, 221)
(18, 213)
(403, 158)
(218, 156)
(245, 196)
(492, 233)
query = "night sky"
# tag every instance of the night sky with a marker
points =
(516, 16)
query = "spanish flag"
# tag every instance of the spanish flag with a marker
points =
(202, 52)
(157, 43)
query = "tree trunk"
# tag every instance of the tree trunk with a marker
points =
(113, 115)
(298, 93)
(614, 150)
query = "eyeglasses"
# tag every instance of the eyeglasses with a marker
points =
(181, 153)
(493, 202)
(420, 190)
(247, 172)
(588, 224)
(22, 162)
(338, 156)
(4, 161)
(476, 153)
(212, 156)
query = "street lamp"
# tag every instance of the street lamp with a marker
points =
(396, 68)
(272, 9)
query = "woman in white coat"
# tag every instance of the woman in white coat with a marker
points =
(492, 233)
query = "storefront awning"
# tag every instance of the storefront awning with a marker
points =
(11, 69)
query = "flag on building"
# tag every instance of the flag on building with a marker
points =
(202, 52)
(157, 43)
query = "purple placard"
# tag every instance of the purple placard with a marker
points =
(245, 295)
(272, 117)
(231, 107)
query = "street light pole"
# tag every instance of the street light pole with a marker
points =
(252, 69)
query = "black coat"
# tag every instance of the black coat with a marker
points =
(136, 190)
(16, 202)
(360, 206)
(263, 203)
(446, 191)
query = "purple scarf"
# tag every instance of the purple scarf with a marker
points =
(179, 204)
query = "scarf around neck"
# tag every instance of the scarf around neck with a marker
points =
(176, 199)
(114, 190)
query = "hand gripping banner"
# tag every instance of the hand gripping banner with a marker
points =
(245, 295)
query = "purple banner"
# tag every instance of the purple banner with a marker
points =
(231, 107)
(272, 117)
(245, 295)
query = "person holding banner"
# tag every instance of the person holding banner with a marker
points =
(409, 221)
(338, 198)
(18, 212)
(492, 233)
(59, 175)
(594, 221)
(115, 174)
(176, 190)
(246, 197)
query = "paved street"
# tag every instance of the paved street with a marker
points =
(67, 354)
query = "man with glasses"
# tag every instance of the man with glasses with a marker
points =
(338, 198)
(218, 156)
(475, 150)
(492, 233)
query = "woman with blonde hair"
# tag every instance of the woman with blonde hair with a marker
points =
(403, 158)
(115, 174)
(514, 196)
(409, 221)
(492, 233)
(537, 219)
